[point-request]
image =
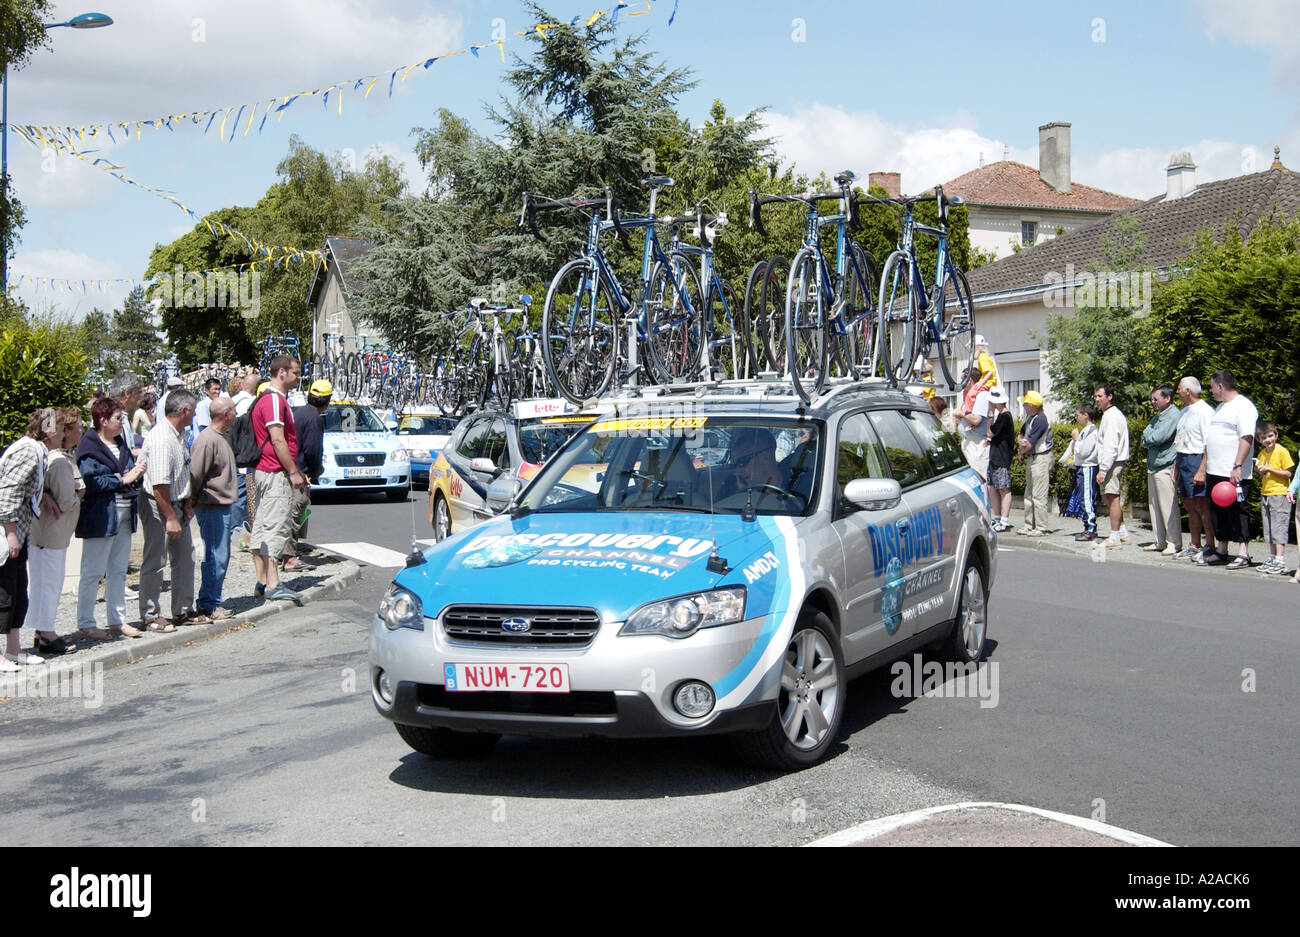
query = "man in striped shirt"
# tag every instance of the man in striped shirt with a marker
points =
(165, 513)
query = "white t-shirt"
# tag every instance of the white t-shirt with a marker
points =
(981, 408)
(1232, 420)
(1189, 438)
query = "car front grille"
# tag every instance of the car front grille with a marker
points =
(548, 627)
(584, 703)
(355, 459)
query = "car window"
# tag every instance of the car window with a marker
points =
(495, 444)
(540, 439)
(351, 418)
(860, 454)
(473, 443)
(425, 426)
(908, 464)
(941, 446)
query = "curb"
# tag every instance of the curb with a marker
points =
(132, 650)
(872, 829)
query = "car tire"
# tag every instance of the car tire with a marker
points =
(446, 743)
(806, 718)
(397, 495)
(441, 518)
(970, 625)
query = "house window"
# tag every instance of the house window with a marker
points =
(1028, 233)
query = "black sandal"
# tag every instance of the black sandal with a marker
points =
(1216, 559)
(58, 646)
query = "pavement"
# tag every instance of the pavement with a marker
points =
(953, 824)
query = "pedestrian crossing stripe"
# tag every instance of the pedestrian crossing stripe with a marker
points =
(369, 553)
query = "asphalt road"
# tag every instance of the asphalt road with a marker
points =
(1120, 697)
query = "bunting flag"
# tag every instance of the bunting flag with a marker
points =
(269, 252)
(77, 137)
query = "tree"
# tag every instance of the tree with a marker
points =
(1101, 341)
(21, 34)
(134, 341)
(40, 366)
(1237, 306)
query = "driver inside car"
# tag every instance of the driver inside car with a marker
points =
(753, 459)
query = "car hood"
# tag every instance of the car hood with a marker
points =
(612, 562)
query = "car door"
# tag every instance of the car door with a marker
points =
(495, 446)
(923, 535)
(464, 484)
(869, 581)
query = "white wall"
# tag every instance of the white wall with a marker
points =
(994, 228)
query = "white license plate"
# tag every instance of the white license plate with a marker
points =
(506, 678)
(362, 472)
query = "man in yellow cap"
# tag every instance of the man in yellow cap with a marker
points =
(311, 454)
(1036, 449)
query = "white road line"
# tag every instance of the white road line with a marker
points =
(874, 828)
(370, 553)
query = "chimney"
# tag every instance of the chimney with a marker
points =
(891, 182)
(1054, 155)
(1180, 176)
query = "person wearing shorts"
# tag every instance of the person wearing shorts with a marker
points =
(275, 477)
(1112, 456)
(1002, 438)
(1274, 465)
(1229, 442)
(1189, 444)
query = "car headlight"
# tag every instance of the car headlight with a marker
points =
(683, 615)
(418, 453)
(401, 608)
(398, 455)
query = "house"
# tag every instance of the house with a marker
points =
(1014, 295)
(329, 294)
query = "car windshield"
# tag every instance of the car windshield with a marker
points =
(425, 426)
(352, 418)
(728, 465)
(541, 438)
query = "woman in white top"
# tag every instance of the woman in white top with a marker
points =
(52, 532)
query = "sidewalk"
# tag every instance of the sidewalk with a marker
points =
(326, 575)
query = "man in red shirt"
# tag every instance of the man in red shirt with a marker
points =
(274, 477)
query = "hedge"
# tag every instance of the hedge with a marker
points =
(39, 367)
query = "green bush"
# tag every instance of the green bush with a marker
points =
(40, 366)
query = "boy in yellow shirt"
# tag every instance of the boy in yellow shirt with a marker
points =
(988, 370)
(1274, 465)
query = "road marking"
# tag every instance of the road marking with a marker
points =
(427, 543)
(1006, 549)
(874, 828)
(369, 553)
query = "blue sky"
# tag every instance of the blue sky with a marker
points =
(923, 88)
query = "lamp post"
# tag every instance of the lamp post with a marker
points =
(84, 21)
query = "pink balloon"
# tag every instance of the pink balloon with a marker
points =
(1224, 494)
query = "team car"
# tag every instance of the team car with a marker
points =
(491, 444)
(424, 433)
(695, 565)
(362, 453)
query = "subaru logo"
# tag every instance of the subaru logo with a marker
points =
(516, 625)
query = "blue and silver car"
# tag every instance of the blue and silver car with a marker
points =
(423, 433)
(362, 453)
(724, 563)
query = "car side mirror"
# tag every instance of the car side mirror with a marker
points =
(486, 466)
(392, 425)
(874, 494)
(503, 491)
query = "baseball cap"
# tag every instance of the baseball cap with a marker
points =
(998, 395)
(263, 386)
(1033, 398)
(980, 340)
(174, 381)
(321, 388)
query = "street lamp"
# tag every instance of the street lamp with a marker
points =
(84, 21)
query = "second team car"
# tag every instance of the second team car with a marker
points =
(489, 445)
(424, 433)
(362, 453)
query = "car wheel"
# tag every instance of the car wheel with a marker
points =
(397, 495)
(966, 644)
(446, 743)
(441, 518)
(810, 704)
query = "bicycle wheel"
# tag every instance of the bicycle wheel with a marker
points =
(957, 343)
(772, 313)
(732, 328)
(756, 321)
(805, 326)
(352, 376)
(674, 313)
(579, 334)
(896, 328)
(860, 310)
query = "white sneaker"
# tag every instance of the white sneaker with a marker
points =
(24, 659)
(8, 666)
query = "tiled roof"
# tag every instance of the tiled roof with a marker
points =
(343, 252)
(1015, 185)
(1167, 229)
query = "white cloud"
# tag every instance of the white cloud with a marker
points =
(827, 139)
(1268, 24)
(67, 299)
(49, 178)
(170, 56)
